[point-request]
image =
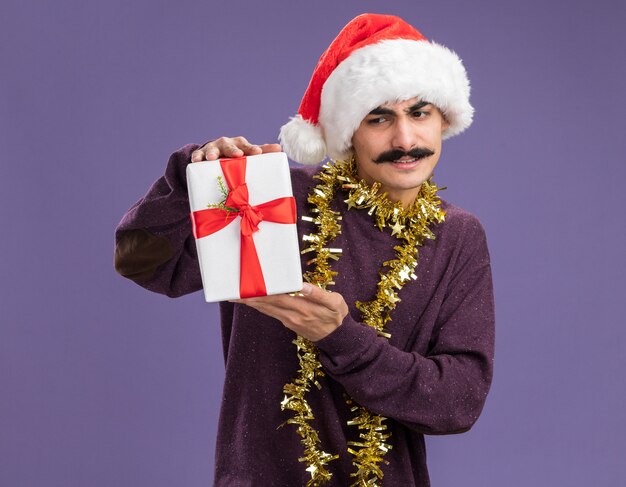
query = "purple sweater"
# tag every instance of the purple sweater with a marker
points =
(431, 377)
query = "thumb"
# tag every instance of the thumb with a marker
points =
(308, 289)
(316, 294)
(270, 148)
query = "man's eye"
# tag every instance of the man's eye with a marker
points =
(420, 113)
(376, 121)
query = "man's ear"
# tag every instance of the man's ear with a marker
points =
(444, 122)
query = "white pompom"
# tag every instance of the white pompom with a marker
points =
(302, 141)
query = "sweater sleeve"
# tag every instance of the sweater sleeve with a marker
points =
(443, 391)
(154, 245)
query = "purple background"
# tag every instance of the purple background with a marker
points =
(105, 384)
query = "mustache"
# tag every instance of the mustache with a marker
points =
(395, 154)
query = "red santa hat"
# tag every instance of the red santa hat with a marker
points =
(375, 59)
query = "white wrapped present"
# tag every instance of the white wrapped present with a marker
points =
(244, 219)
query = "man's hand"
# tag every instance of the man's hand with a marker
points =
(231, 147)
(313, 315)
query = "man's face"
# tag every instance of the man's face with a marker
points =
(398, 145)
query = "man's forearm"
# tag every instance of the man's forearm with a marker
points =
(154, 243)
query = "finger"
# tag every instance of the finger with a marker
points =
(211, 153)
(231, 150)
(224, 147)
(197, 156)
(247, 148)
(270, 148)
(282, 301)
(267, 308)
(208, 152)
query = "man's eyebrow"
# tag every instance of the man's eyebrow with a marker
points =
(389, 111)
(382, 111)
(417, 106)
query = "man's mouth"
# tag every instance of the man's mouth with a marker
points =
(406, 160)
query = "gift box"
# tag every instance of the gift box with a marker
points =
(244, 221)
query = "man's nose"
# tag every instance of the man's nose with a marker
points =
(404, 136)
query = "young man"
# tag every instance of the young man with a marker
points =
(400, 344)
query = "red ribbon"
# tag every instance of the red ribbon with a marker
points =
(211, 220)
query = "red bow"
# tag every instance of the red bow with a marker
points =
(206, 222)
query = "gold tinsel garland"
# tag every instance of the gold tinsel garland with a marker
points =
(410, 225)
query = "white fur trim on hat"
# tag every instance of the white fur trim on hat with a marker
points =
(302, 141)
(386, 72)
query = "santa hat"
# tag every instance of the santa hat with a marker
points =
(375, 59)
